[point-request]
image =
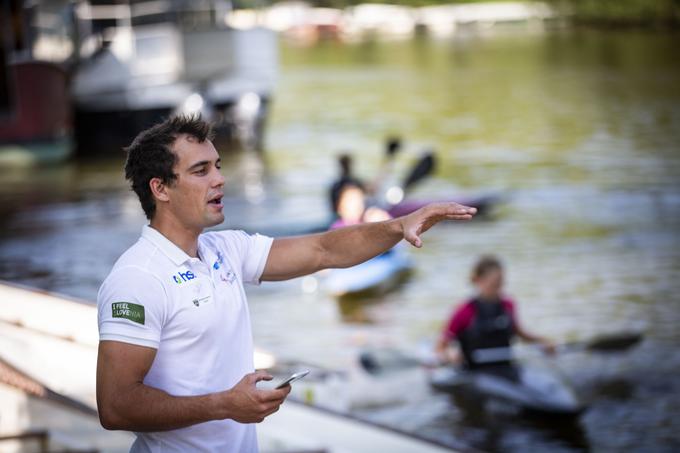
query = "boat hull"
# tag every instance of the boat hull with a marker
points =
(532, 390)
(225, 75)
(377, 275)
(37, 126)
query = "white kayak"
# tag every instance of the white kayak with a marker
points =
(378, 274)
(531, 389)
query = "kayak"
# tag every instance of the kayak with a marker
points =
(531, 389)
(377, 275)
(482, 203)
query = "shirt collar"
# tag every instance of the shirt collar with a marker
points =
(206, 255)
(176, 254)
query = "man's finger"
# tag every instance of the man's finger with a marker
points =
(273, 410)
(276, 394)
(258, 376)
(458, 216)
(462, 210)
(413, 239)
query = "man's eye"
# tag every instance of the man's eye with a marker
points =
(202, 171)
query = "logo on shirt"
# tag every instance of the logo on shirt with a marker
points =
(183, 277)
(128, 310)
(217, 264)
(202, 300)
(228, 277)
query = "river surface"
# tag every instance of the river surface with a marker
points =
(578, 131)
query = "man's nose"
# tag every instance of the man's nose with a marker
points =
(219, 179)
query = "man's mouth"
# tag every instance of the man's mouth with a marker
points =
(216, 200)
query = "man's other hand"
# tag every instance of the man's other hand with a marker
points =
(245, 403)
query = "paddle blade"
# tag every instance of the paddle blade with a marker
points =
(617, 342)
(385, 360)
(392, 147)
(423, 168)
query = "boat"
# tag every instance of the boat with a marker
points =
(528, 389)
(144, 61)
(375, 276)
(48, 354)
(483, 203)
(35, 121)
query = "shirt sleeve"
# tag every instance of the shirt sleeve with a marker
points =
(459, 321)
(131, 307)
(249, 251)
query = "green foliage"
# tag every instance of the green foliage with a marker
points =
(621, 11)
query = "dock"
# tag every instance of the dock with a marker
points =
(48, 355)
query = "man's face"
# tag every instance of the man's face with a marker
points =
(195, 198)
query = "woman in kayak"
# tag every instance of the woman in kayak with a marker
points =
(347, 176)
(351, 207)
(485, 325)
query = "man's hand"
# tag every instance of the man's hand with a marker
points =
(245, 403)
(418, 222)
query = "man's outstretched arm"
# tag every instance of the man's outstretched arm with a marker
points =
(344, 247)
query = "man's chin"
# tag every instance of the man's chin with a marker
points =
(214, 221)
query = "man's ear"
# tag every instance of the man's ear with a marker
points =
(158, 189)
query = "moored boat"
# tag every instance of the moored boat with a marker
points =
(35, 122)
(147, 60)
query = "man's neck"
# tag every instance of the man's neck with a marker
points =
(183, 237)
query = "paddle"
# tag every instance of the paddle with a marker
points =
(424, 167)
(382, 360)
(605, 343)
(392, 147)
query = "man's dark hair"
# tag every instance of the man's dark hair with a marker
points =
(151, 156)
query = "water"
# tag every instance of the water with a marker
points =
(579, 131)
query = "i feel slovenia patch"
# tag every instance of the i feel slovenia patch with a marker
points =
(128, 310)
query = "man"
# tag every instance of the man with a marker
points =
(175, 353)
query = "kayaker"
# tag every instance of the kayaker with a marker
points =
(175, 359)
(346, 163)
(485, 325)
(351, 207)
(346, 177)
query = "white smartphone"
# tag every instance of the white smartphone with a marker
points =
(293, 377)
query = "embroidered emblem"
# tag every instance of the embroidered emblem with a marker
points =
(128, 310)
(228, 277)
(202, 300)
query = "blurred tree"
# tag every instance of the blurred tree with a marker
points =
(621, 12)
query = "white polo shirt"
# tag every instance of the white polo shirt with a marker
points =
(194, 312)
